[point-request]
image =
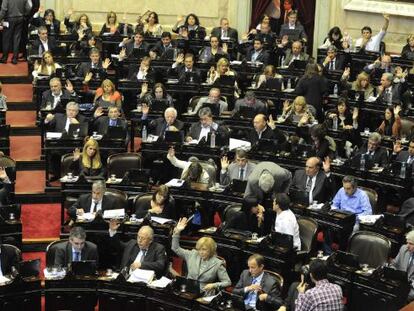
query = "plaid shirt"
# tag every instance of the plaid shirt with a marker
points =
(324, 296)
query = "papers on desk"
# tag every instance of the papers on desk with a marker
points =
(371, 99)
(54, 273)
(239, 143)
(116, 56)
(161, 283)
(288, 90)
(53, 135)
(175, 182)
(235, 62)
(4, 280)
(86, 217)
(114, 213)
(141, 275)
(5, 24)
(161, 220)
(66, 178)
(193, 142)
(316, 206)
(209, 298)
(369, 219)
(97, 137)
(114, 181)
(152, 138)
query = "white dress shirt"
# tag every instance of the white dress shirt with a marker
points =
(286, 223)
(373, 44)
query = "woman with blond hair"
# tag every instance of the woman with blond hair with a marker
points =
(111, 26)
(361, 84)
(203, 264)
(107, 96)
(298, 112)
(47, 66)
(82, 26)
(88, 163)
(222, 69)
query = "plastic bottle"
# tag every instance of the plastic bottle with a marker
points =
(335, 123)
(213, 140)
(144, 134)
(289, 84)
(362, 164)
(403, 170)
(335, 89)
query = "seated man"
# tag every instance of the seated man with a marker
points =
(43, 43)
(373, 151)
(293, 29)
(371, 43)
(257, 53)
(295, 53)
(163, 49)
(128, 46)
(84, 69)
(380, 66)
(94, 202)
(259, 288)
(76, 249)
(324, 293)
(333, 61)
(390, 93)
(60, 122)
(183, 66)
(239, 169)
(101, 123)
(267, 178)
(225, 32)
(9, 258)
(142, 253)
(6, 187)
(401, 155)
(250, 101)
(286, 222)
(159, 126)
(210, 53)
(52, 98)
(212, 98)
(403, 262)
(316, 183)
(206, 125)
(264, 129)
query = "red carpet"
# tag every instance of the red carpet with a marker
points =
(10, 70)
(30, 181)
(21, 118)
(45, 227)
(25, 147)
(18, 92)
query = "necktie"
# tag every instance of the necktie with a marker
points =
(252, 296)
(77, 256)
(308, 184)
(224, 33)
(112, 122)
(410, 159)
(95, 207)
(144, 252)
(241, 173)
(410, 261)
(331, 65)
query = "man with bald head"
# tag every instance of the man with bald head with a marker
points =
(265, 129)
(142, 253)
(295, 53)
(160, 125)
(315, 180)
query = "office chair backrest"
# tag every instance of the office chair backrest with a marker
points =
(373, 199)
(51, 250)
(120, 163)
(308, 228)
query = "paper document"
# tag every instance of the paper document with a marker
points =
(53, 135)
(369, 219)
(141, 275)
(238, 143)
(66, 178)
(152, 138)
(86, 216)
(4, 280)
(161, 283)
(161, 220)
(114, 213)
(175, 182)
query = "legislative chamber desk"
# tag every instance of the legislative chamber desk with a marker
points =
(21, 295)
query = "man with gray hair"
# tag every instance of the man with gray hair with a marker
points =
(213, 98)
(251, 102)
(52, 98)
(60, 122)
(76, 249)
(94, 202)
(267, 178)
(333, 61)
(373, 152)
(405, 262)
(391, 93)
(160, 125)
(206, 125)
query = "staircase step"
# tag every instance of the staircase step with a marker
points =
(32, 165)
(25, 148)
(30, 182)
(28, 130)
(18, 92)
(21, 106)
(10, 72)
(21, 118)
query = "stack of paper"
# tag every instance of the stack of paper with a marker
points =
(238, 143)
(161, 283)
(86, 217)
(161, 220)
(175, 182)
(53, 135)
(114, 213)
(141, 275)
(369, 219)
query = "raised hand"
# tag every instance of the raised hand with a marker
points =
(397, 110)
(88, 77)
(180, 58)
(3, 174)
(70, 12)
(180, 18)
(224, 163)
(355, 113)
(326, 165)
(69, 86)
(122, 53)
(144, 88)
(286, 106)
(114, 224)
(182, 223)
(98, 112)
(225, 48)
(49, 117)
(346, 73)
(106, 63)
(271, 123)
(76, 154)
(397, 146)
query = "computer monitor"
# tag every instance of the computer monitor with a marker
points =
(272, 84)
(298, 64)
(174, 136)
(136, 175)
(185, 285)
(115, 132)
(84, 268)
(81, 129)
(238, 186)
(29, 268)
(138, 53)
(225, 81)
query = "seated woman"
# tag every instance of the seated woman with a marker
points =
(192, 170)
(336, 39)
(391, 126)
(322, 145)
(158, 92)
(162, 204)
(151, 26)
(208, 53)
(47, 67)
(346, 119)
(269, 73)
(191, 28)
(297, 113)
(144, 71)
(82, 27)
(3, 99)
(222, 69)
(286, 222)
(202, 263)
(88, 163)
(408, 49)
(49, 20)
(361, 84)
(107, 96)
(111, 26)
(84, 47)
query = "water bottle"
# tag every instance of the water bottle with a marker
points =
(125, 29)
(213, 140)
(335, 89)
(175, 54)
(289, 84)
(335, 123)
(144, 134)
(362, 164)
(403, 170)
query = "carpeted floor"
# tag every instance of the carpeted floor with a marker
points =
(45, 227)
(21, 118)
(25, 147)
(30, 182)
(18, 92)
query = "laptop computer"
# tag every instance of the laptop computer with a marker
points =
(81, 129)
(190, 78)
(293, 34)
(135, 175)
(225, 81)
(29, 268)
(185, 285)
(138, 53)
(115, 132)
(215, 108)
(266, 145)
(298, 196)
(347, 259)
(174, 136)
(84, 268)
(356, 162)
(298, 64)
(238, 186)
(272, 84)
(246, 112)
(159, 105)
(282, 240)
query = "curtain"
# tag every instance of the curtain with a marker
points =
(306, 11)
(258, 8)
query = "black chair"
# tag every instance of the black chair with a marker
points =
(373, 199)
(120, 163)
(308, 228)
(65, 163)
(372, 248)
(141, 204)
(51, 251)
(121, 198)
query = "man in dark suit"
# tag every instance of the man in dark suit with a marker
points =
(184, 65)
(257, 53)
(164, 48)
(142, 253)
(293, 26)
(52, 98)
(260, 290)
(318, 184)
(43, 43)
(333, 61)
(265, 129)
(391, 93)
(9, 257)
(295, 53)
(159, 126)
(404, 262)
(101, 123)
(225, 32)
(239, 169)
(401, 155)
(374, 151)
(76, 249)
(128, 45)
(250, 101)
(60, 122)
(94, 202)
(85, 69)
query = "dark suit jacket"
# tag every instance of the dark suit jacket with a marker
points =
(231, 33)
(262, 57)
(85, 201)
(5, 190)
(268, 133)
(157, 127)
(155, 257)
(289, 56)
(397, 91)
(9, 258)
(269, 286)
(180, 71)
(324, 186)
(63, 254)
(380, 155)
(161, 51)
(59, 121)
(339, 64)
(101, 124)
(40, 21)
(195, 130)
(313, 90)
(51, 43)
(233, 172)
(47, 97)
(133, 71)
(402, 156)
(284, 30)
(129, 48)
(85, 68)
